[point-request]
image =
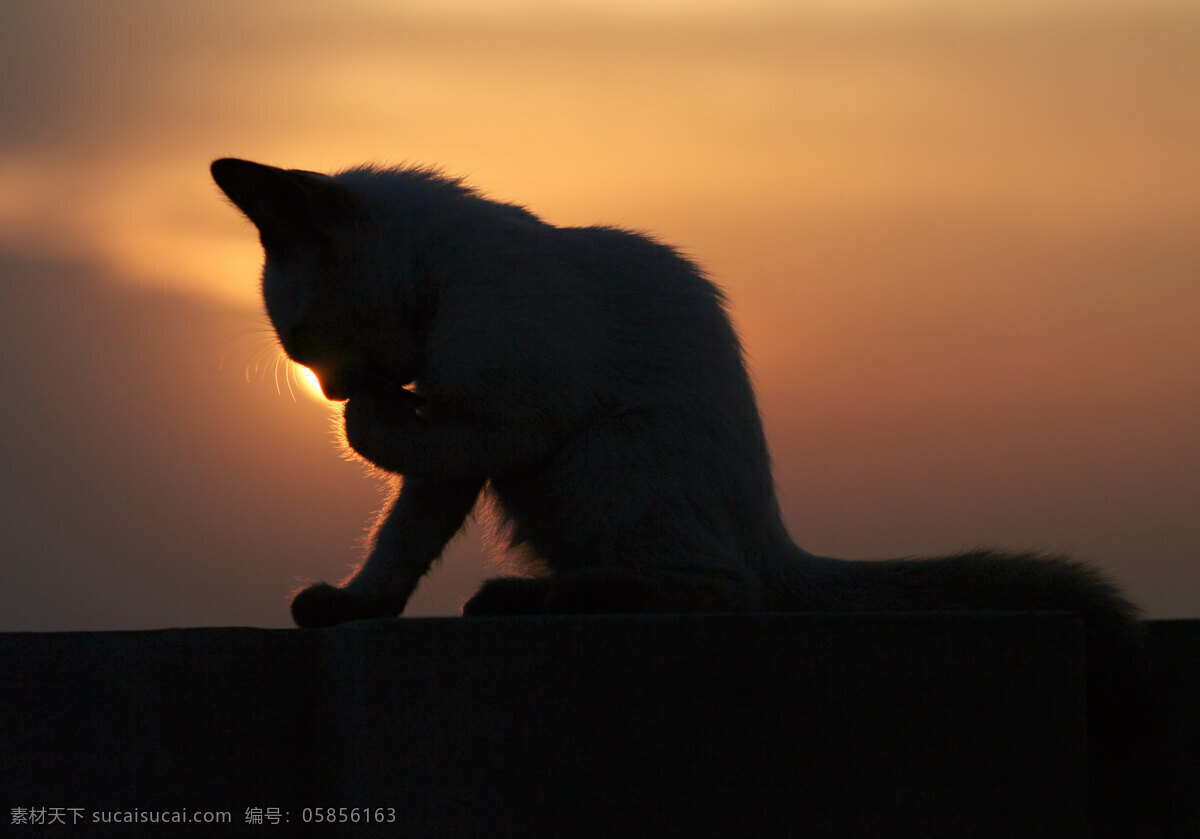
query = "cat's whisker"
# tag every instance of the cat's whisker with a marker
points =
(289, 374)
(249, 349)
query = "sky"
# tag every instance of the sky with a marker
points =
(959, 240)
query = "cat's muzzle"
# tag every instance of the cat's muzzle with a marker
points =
(338, 386)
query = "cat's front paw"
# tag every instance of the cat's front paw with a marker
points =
(325, 605)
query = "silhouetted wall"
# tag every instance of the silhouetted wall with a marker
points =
(751, 725)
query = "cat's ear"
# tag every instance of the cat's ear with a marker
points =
(285, 205)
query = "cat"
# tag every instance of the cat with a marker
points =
(589, 382)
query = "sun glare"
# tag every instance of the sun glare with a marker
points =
(307, 380)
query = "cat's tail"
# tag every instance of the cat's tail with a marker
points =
(977, 580)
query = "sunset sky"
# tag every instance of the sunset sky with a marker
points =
(961, 242)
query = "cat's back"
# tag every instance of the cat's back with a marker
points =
(626, 262)
(668, 338)
(649, 290)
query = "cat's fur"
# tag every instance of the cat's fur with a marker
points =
(590, 381)
(587, 378)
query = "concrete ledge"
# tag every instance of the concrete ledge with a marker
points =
(1177, 694)
(750, 725)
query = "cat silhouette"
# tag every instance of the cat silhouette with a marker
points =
(588, 382)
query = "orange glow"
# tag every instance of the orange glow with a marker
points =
(307, 381)
(958, 239)
(665, 116)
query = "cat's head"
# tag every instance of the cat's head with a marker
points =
(333, 284)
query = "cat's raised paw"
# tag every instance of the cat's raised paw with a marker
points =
(325, 605)
(378, 424)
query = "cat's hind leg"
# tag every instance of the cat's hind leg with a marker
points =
(590, 591)
(606, 591)
(509, 596)
(597, 591)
